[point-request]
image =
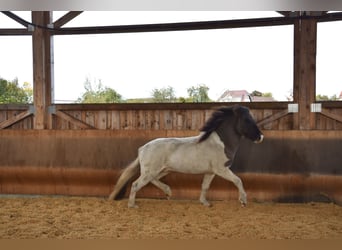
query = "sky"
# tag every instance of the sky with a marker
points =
(136, 63)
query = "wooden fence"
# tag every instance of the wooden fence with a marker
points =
(167, 116)
(288, 165)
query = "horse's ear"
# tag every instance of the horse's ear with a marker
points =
(240, 110)
(236, 109)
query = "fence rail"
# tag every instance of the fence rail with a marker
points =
(157, 116)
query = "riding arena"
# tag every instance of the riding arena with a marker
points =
(216, 170)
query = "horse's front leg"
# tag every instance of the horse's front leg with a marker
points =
(227, 174)
(207, 179)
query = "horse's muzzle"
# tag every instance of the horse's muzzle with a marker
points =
(261, 138)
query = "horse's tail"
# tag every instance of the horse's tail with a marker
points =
(121, 184)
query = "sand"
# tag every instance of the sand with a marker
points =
(96, 218)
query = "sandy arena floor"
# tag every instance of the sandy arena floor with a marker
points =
(97, 218)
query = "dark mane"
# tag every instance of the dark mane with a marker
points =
(215, 121)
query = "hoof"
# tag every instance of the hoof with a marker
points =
(168, 193)
(206, 203)
(243, 203)
(133, 206)
(243, 200)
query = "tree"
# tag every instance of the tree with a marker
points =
(99, 94)
(199, 93)
(11, 92)
(164, 95)
(27, 87)
(320, 97)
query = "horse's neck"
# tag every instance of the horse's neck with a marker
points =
(229, 137)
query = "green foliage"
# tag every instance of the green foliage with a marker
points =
(12, 93)
(99, 94)
(164, 95)
(139, 100)
(267, 94)
(199, 93)
(326, 98)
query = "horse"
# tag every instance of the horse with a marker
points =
(210, 153)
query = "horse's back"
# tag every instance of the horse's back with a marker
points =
(161, 148)
(185, 155)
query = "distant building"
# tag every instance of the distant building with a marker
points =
(340, 96)
(242, 96)
(235, 96)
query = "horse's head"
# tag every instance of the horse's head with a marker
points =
(231, 123)
(245, 124)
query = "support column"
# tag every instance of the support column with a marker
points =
(42, 70)
(304, 90)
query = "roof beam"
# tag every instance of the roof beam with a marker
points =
(321, 16)
(204, 25)
(15, 32)
(66, 18)
(16, 18)
(285, 13)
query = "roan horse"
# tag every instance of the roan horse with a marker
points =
(210, 153)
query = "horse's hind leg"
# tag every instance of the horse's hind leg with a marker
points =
(136, 186)
(205, 186)
(165, 188)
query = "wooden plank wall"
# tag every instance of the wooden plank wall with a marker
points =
(163, 116)
(10, 111)
(158, 116)
(287, 165)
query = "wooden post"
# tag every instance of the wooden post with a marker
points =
(42, 70)
(304, 90)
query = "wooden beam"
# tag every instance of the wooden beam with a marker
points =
(330, 17)
(73, 120)
(42, 70)
(168, 106)
(285, 13)
(15, 32)
(15, 18)
(16, 107)
(203, 25)
(15, 119)
(289, 18)
(330, 115)
(332, 104)
(304, 89)
(66, 18)
(273, 118)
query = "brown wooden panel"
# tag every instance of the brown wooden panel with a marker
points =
(92, 182)
(101, 120)
(287, 165)
(167, 119)
(3, 115)
(170, 116)
(192, 119)
(90, 118)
